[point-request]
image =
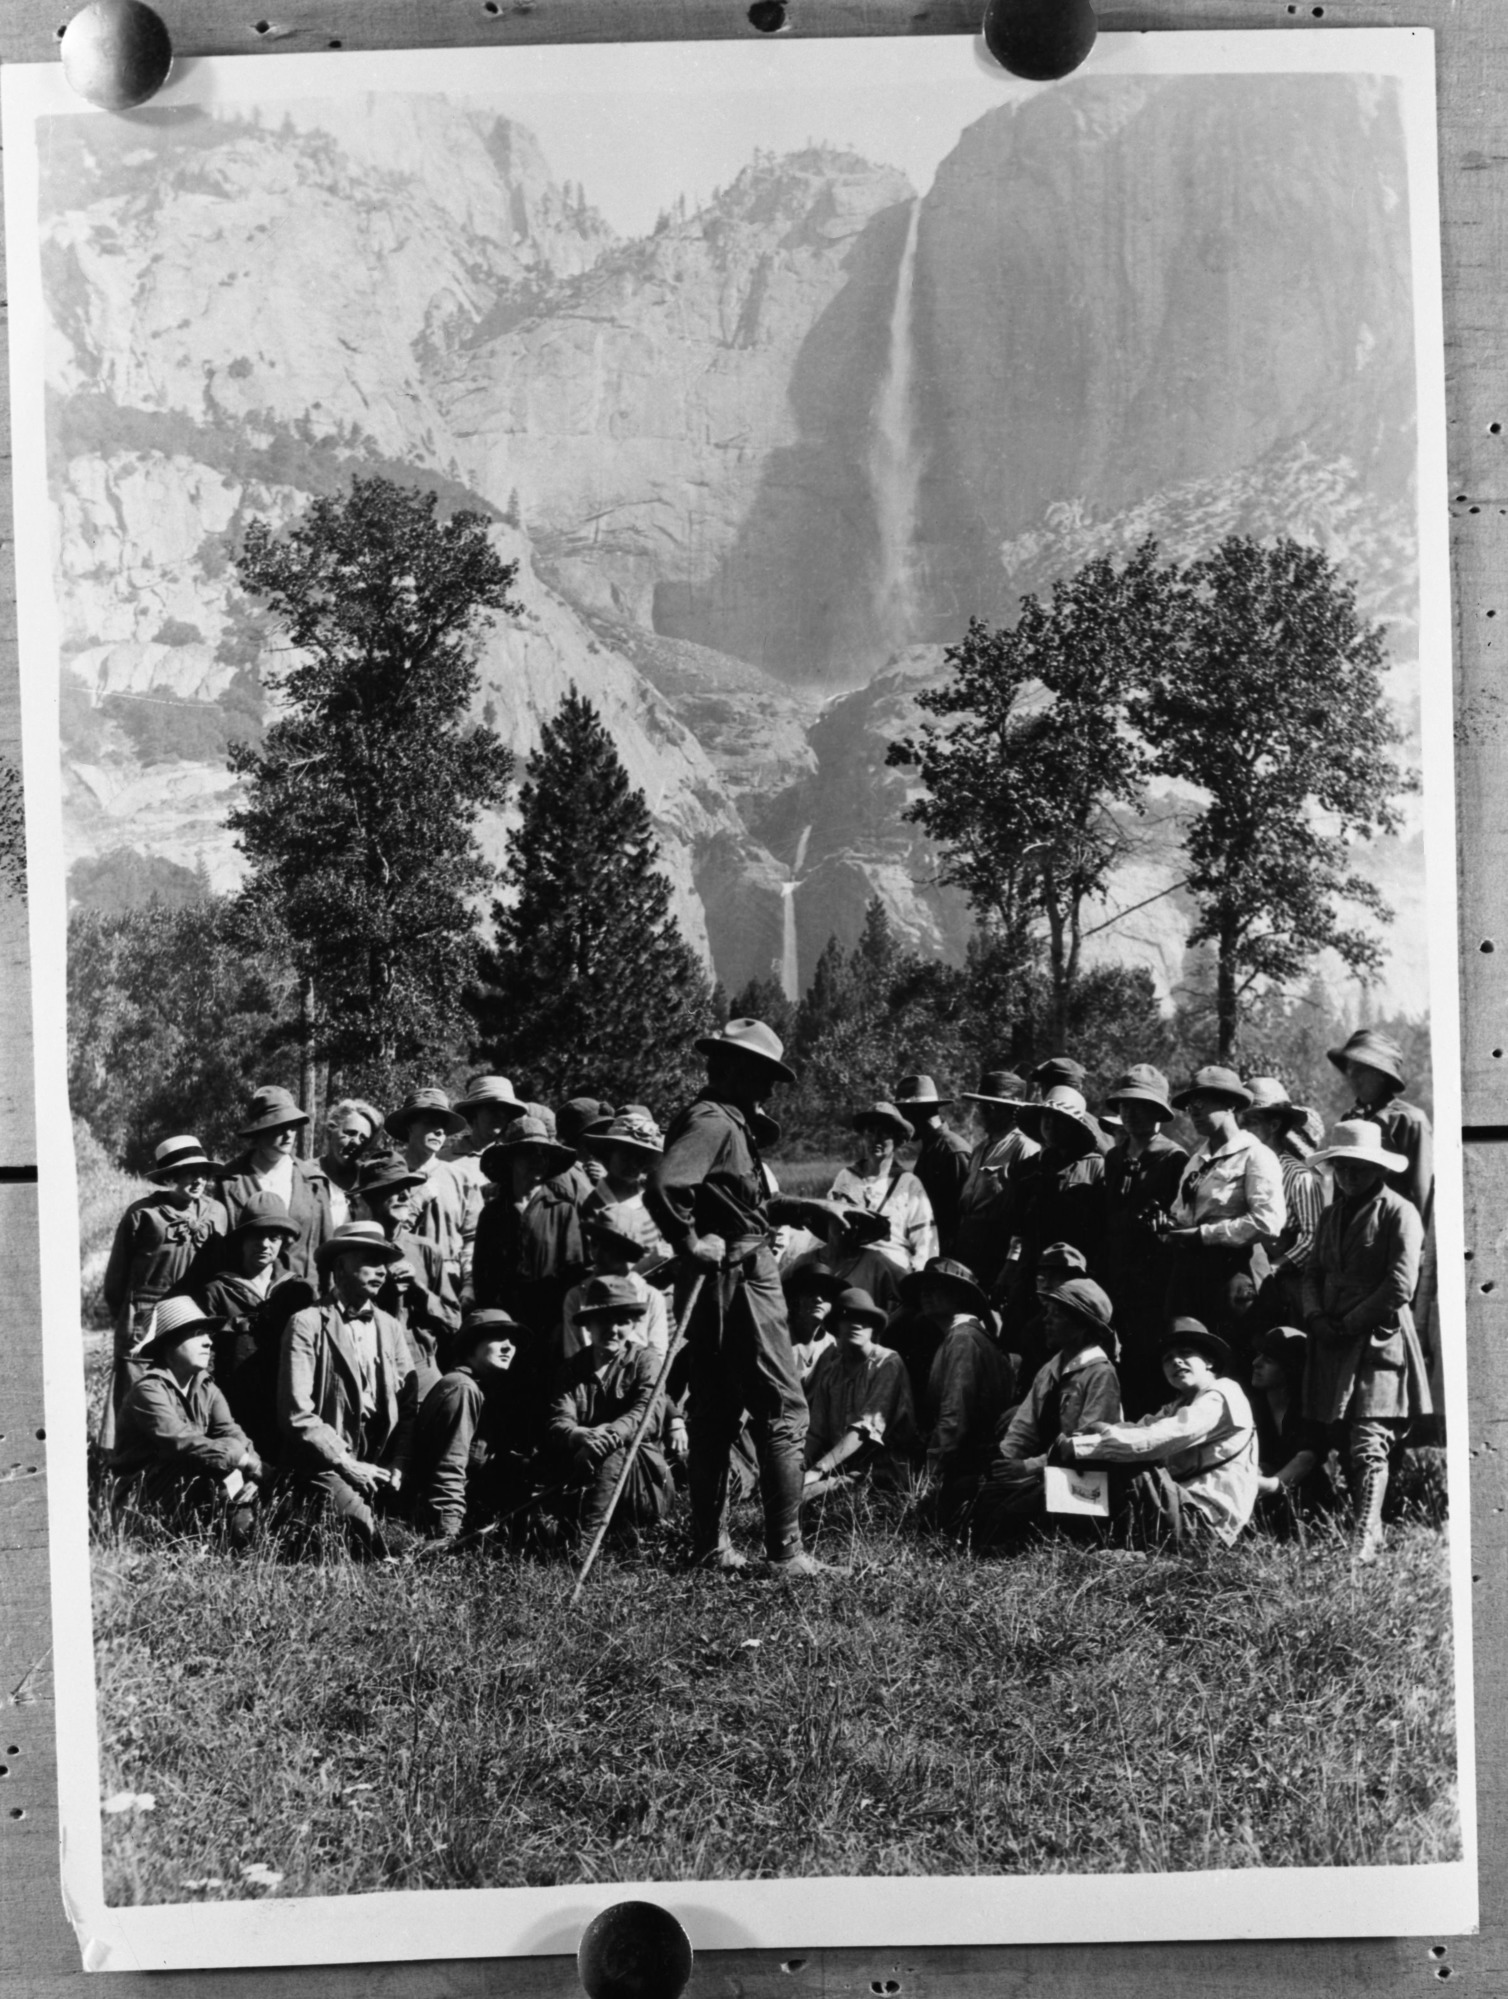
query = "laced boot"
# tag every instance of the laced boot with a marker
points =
(1371, 1491)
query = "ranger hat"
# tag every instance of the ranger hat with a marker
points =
(1361, 1140)
(1087, 1301)
(749, 1037)
(1195, 1333)
(428, 1104)
(176, 1155)
(856, 1303)
(886, 1117)
(1374, 1050)
(268, 1212)
(1142, 1084)
(632, 1128)
(525, 1133)
(175, 1319)
(600, 1295)
(951, 1276)
(272, 1109)
(490, 1093)
(364, 1236)
(385, 1175)
(1214, 1081)
(915, 1092)
(1067, 1103)
(996, 1086)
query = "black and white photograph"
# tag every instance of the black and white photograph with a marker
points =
(742, 890)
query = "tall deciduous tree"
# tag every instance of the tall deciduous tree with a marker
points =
(591, 985)
(1269, 699)
(1030, 789)
(361, 806)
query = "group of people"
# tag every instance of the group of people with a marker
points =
(495, 1317)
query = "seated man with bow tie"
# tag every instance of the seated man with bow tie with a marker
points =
(347, 1390)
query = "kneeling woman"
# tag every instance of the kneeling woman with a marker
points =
(862, 1416)
(1200, 1449)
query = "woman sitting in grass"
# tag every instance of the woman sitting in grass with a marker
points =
(1200, 1449)
(862, 1418)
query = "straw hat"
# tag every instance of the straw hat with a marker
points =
(490, 1093)
(633, 1128)
(175, 1319)
(367, 1237)
(1361, 1140)
(886, 1117)
(1067, 1103)
(175, 1155)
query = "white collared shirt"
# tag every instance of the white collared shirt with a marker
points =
(1232, 1193)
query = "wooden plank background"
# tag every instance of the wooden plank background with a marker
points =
(38, 1957)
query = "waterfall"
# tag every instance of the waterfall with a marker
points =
(800, 861)
(893, 460)
(790, 967)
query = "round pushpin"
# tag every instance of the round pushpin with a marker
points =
(1040, 40)
(116, 53)
(634, 1950)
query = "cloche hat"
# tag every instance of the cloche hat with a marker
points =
(1214, 1081)
(272, 1109)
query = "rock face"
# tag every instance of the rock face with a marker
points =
(1175, 306)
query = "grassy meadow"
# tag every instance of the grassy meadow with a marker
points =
(453, 1723)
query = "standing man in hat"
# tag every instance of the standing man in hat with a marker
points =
(159, 1239)
(253, 1301)
(1200, 1449)
(879, 1184)
(599, 1398)
(1059, 1192)
(176, 1433)
(987, 1201)
(707, 1195)
(349, 1130)
(347, 1390)
(422, 1125)
(1142, 1172)
(489, 1107)
(1229, 1205)
(269, 1166)
(942, 1158)
(1365, 1376)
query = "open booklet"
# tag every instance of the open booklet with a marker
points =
(769, 369)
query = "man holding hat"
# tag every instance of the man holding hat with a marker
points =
(253, 1302)
(1142, 1172)
(350, 1127)
(707, 1195)
(158, 1241)
(987, 1201)
(1200, 1449)
(1075, 1386)
(269, 1165)
(880, 1185)
(1365, 1377)
(1229, 1205)
(942, 1157)
(347, 1390)
(464, 1470)
(862, 1415)
(969, 1383)
(175, 1431)
(600, 1397)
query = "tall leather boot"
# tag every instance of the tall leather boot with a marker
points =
(1371, 1490)
(782, 1474)
(711, 1546)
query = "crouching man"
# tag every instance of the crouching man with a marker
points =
(178, 1450)
(463, 1473)
(600, 1396)
(348, 1393)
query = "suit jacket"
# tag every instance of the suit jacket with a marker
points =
(319, 1393)
(1361, 1275)
(308, 1209)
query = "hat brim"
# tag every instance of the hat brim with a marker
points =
(280, 1123)
(717, 1044)
(396, 1124)
(628, 1307)
(600, 1232)
(265, 1225)
(557, 1156)
(1367, 1059)
(823, 1283)
(979, 1097)
(200, 1165)
(1387, 1162)
(1210, 1344)
(1138, 1096)
(376, 1252)
(161, 1343)
(915, 1282)
(868, 1315)
(1031, 1119)
(1238, 1099)
(923, 1103)
(1104, 1327)
(601, 1141)
(897, 1127)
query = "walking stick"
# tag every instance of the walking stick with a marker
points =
(671, 1350)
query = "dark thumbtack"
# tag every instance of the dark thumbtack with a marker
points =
(634, 1950)
(116, 53)
(1039, 39)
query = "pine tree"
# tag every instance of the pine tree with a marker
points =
(591, 985)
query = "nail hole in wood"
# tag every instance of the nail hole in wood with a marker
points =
(1489, 1284)
(1487, 947)
(1494, 430)
(1438, 1950)
(794, 1964)
(16, 1812)
(768, 16)
(262, 27)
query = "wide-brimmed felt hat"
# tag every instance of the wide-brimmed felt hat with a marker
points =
(385, 1175)
(630, 1228)
(486, 1322)
(1062, 1256)
(367, 1237)
(490, 1093)
(176, 1155)
(600, 1295)
(1214, 1081)
(1068, 1103)
(996, 1086)
(886, 1116)
(856, 1303)
(272, 1109)
(174, 1319)
(268, 1212)
(745, 1036)
(1086, 1300)
(632, 1128)
(952, 1276)
(1285, 1344)
(428, 1104)
(1361, 1140)
(817, 1278)
(1270, 1098)
(1142, 1084)
(913, 1093)
(1195, 1333)
(1057, 1070)
(525, 1132)
(1376, 1050)
(579, 1115)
